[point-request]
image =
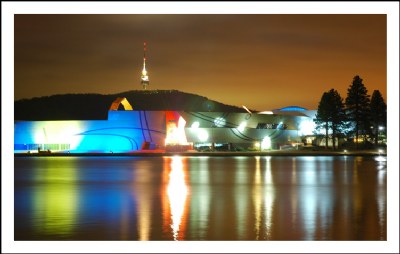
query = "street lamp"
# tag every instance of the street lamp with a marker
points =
(380, 129)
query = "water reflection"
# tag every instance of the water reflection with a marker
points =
(381, 192)
(177, 192)
(46, 199)
(144, 192)
(257, 198)
(269, 198)
(201, 198)
(241, 197)
(56, 201)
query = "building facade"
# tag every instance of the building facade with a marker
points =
(129, 130)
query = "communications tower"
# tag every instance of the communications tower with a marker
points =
(145, 78)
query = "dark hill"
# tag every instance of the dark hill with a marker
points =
(96, 106)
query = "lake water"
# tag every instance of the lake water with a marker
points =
(200, 198)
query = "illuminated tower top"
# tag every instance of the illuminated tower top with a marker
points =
(145, 78)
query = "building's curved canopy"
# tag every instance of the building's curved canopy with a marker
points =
(292, 108)
(123, 101)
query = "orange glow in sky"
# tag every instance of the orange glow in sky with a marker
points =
(263, 61)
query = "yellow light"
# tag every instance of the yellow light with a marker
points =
(56, 202)
(202, 135)
(306, 127)
(176, 134)
(58, 132)
(171, 137)
(242, 126)
(266, 113)
(245, 108)
(266, 143)
(195, 125)
(177, 193)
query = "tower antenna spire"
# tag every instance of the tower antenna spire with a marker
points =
(145, 78)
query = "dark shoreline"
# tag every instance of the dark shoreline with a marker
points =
(213, 154)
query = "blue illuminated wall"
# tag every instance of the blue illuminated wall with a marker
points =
(123, 131)
(128, 130)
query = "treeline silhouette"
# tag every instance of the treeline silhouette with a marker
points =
(96, 106)
(358, 116)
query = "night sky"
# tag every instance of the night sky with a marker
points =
(263, 61)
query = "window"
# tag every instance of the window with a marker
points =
(273, 126)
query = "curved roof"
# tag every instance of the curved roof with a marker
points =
(123, 101)
(292, 108)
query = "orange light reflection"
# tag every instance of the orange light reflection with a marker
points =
(177, 192)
